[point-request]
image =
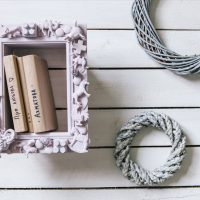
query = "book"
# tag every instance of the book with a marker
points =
(40, 94)
(15, 93)
(25, 93)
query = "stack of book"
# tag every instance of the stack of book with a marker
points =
(30, 94)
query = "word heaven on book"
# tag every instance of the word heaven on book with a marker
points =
(30, 94)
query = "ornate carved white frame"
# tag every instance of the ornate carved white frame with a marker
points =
(76, 138)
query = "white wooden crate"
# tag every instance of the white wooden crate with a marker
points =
(124, 82)
(49, 38)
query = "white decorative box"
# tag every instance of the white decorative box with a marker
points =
(73, 40)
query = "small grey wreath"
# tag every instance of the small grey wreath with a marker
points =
(133, 171)
(150, 41)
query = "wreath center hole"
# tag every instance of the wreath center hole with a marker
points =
(150, 148)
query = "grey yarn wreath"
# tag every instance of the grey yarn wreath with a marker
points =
(153, 45)
(133, 171)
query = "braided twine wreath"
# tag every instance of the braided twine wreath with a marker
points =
(133, 171)
(150, 41)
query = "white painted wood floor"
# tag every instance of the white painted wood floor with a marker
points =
(124, 82)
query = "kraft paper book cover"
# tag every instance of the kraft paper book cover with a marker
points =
(25, 93)
(39, 94)
(15, 93)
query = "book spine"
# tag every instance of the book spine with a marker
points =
(25, 93)
(40, 98)
(15, 93)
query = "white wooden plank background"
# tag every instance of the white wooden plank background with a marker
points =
(124, 82)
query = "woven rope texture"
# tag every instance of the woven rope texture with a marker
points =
(133, 171)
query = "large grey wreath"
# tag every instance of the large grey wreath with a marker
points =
(133, 171)
(152, 44)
